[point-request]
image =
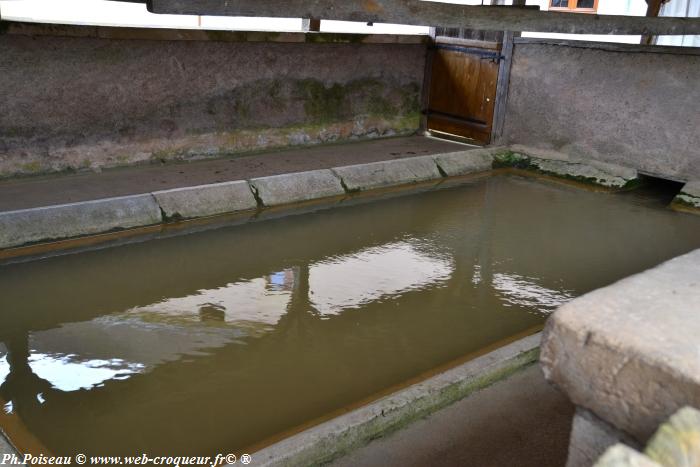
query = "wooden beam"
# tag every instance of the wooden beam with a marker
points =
(422, 13)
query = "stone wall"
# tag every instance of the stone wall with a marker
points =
(628, 105)
(71, 103)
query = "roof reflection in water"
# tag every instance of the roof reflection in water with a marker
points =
(87, 354)
(71, 373)
(351, 281)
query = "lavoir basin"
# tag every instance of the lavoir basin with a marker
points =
(226, 339)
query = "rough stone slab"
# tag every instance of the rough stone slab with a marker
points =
(560, 165)
(677, 442)
(590, 438)
(75, 219)
(296, 187)
(689, 195)
(206, 200)
(388, 173)
(465, 162)
(624, 456)
(328, 440)
(630, 352)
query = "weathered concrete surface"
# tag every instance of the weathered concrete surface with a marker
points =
(520, 421)
(689, 195)
(5, 447)
(81, 103)
(328, 440)
(34, 192)
(297, 187)
(206, 200)
(559, 165)
(388, 173)
(634, 109)
(624, 456)
(72, 220)
(677, 442)
(590, 438)
(629, 352)
(465, 162)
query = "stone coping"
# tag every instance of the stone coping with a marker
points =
(59, 222)
(630, 352)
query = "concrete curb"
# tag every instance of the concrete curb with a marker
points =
(75, 219)
(58, 222)
(335, 437)
(384, 174)
(296, 187)
(458, 163)
(205, 200)
(589, 172)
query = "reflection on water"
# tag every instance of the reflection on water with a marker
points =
(523, 291)
(279, 322)
(254, 304)
(350, 281)
(71, 373)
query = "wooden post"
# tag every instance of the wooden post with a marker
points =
(499, 111)
(653, 9)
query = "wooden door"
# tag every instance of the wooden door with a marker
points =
(463, 89)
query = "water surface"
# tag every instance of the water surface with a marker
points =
(211, 342)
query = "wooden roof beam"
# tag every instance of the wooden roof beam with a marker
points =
(422, 13)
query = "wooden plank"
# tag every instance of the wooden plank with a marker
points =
(422, 13)
(610, 46)
(502, 87)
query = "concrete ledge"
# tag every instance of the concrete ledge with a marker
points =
(72, 220)
(331, 439)
(630, 352)
(206, 200)
(297, 187)
(689, 195)
(383, 174)
(556, 164)
(465, 162)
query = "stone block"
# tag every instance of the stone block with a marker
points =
(590, 438)
(296, 187)
(624, 456)
(677, 442)
(383, 174)
(465, 162)
(206, 200)
(689, 195)
(630, 352)
(75, 219)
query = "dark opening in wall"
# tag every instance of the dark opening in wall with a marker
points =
(659, 189)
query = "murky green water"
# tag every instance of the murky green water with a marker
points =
(211, 342)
